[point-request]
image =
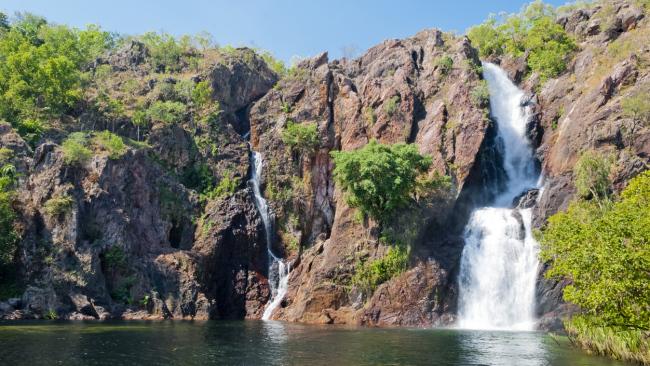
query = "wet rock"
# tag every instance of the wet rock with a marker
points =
(527, 199)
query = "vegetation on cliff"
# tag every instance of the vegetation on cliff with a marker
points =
(380, 179)
(603, 247)
(533, 34)
(8, 234)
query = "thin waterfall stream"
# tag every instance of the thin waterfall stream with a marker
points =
(279, 282)
(499, 263)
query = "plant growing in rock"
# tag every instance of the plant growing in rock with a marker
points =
(75, 150)
(391, 105)
(444, 64)
(379, 179)
(480, 95)
(301, 137)
(637, 108)
(591, 174)
(370, 274)
(167, 112)
(369, 116)
(111, 143)
(58, 205)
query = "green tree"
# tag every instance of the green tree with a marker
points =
(637, 108)
(379, 179)
(75, 148)
(301, 137)
(168, 111)
(605, 252)
(591, 174)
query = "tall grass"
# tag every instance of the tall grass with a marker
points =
(621, 344)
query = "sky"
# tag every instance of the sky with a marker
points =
(287, 28)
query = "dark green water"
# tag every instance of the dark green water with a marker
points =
(272, 343)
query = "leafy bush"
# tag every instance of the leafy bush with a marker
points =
(165, 51)
(75, 150)
(637, 108)
(370, 274)
(603, 250)
(227, 186)
(40, 72)
(112, 143)
(390, 106)
(378, 179)
(533, 30)
(168, 112)
(277, 66)
(58, 205)
(301, 137)
(444, 64)
(8, 234)
(480, 95)
(369, 115)
(202, 94)
(592, 175)
(115, 258)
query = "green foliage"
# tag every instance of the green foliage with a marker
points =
(390, 106)
(369, 115)
(622, 344)
(58, 205)
(75, 148)
(40, 69)
(637, 108)
(370, 274)
(8, 234)
(591, 174)
(301, 137)
(378, 179)
(480, 95)
(168, 112)
(165, 51)
(51, 314)
(31, 129)
(277, 66)
(227, 186)
(114, 258)
(533, 30)
(112, 143)
(444, 64)
(604, 250)
(202, 94)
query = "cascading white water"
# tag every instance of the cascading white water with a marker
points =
(279, 289)
(499, 262)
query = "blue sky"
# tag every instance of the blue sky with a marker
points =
(285, 27)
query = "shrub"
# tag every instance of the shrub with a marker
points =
(168, 112)
(58, 205)
(369, 115)
(277, 66)
(201, 94)
(40, 72)
(301, 137)
(480, 95)
(603, 250)
(8, 234)
(444, 64)
(390, 106)
(115, 258)
(534, 30)
(165, 51)
(227, 186)
(637, 108)
(370, 274)
(75, 150)
(378, 179)
(112, 143)
(591, 174)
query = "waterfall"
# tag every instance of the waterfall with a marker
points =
(499, 261)
(280, 282)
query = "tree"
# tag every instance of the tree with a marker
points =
(605, 252)
(379, 179)
(301, 137)
(592, 175)
(637, 108)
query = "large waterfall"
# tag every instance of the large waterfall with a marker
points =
(499, 262)
(278, 269)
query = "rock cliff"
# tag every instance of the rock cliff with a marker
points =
(134, 236)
